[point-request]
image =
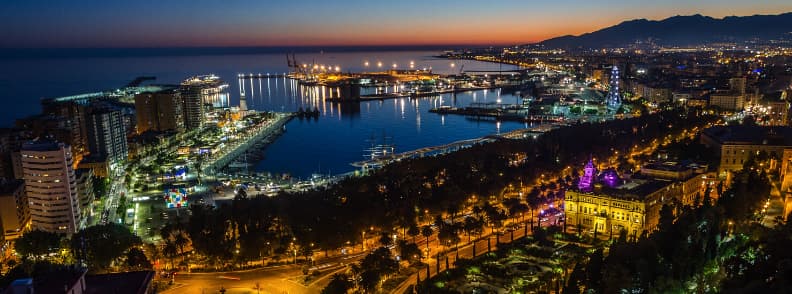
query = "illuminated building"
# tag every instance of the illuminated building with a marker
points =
(54, 126)
(657, 94)
(607, 204)
(773, 109)
(85, 191)
(587, 179)
(107, 136)
(159, 111)
(727, 101)
(73, 114)
(51, 187)
(737, 144)
(195, 92)
(14, 213)
(737, 85)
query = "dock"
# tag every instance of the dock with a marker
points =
(272, 128)
(262, 76)
(454, 146)
(420, 94)
(498, 114)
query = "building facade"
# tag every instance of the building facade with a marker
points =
(51, 186)
(727, 101)
(195, 92)
(107, 135)
(738, 144)
(160, 111)
(85, 191)
(604, 203)
(634, 207)
(14, 213)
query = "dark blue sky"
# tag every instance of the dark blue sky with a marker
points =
(149, 23)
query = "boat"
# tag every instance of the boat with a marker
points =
(271, 189)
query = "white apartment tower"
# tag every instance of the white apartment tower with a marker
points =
(51, 186)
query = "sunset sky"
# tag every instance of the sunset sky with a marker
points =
(169, 23)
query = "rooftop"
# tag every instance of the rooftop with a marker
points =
(41, 144)
(57, 281)
(634, 189)
(667, 166)
(119, 283)
(750, 135)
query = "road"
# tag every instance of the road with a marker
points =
(277, 279)
(110, 202)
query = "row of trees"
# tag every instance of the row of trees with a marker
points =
(100, 248)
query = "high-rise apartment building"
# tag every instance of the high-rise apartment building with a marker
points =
(195, 91)
(107, 135)
(50, 186)
(159, 111)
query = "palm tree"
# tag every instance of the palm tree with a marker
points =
(534, 202)
(469, 226)
(153, 251)
(198, 165)
(427, 232)
(413, 231)
(170, 250)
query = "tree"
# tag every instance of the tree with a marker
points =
(339, 284)
(472, 225)
(594, 270)
(198, 166)
(408, 251)
(448, 235)
(170, 250)
(515, 207)
(98, 246)
(37, 243)
(427, 232)
(413, 231)
(241, 193)
(375, 266)
(385, 239)
(534, 202)
(137, 260)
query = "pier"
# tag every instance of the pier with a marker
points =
(418, 94)
(426, 151)
(454, 146)
(270, 128)
(498, 113)
(262, 76)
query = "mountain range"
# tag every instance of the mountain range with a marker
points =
(681, 31)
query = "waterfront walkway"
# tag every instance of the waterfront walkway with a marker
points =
(268, 128)
(454, 146)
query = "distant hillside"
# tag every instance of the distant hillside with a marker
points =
(682, 31)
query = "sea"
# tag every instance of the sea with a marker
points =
(342, 134)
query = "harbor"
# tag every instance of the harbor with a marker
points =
(267, 130)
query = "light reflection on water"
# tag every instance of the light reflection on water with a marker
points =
(326, 145)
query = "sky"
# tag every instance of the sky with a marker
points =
(199, 23)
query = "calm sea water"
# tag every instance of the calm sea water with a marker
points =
(326, 145)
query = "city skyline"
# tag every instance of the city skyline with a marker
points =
(38, 24)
